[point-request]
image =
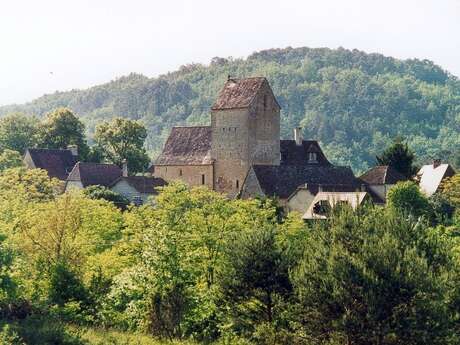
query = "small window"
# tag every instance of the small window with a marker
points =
(265, 102)
(180, 172)
(312, 157)
(237, 184)
(203, 180)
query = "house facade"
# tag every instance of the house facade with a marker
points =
(137, 189)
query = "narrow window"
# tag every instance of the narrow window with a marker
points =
(237, 184)
(312, 157)
(265, 102)
(202, 179)
(180, 172)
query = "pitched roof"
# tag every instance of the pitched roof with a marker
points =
(58, 163)
(238, 93)
(90, 174)
(283, 180)
(354, 199)
(382, 174)
(187, 145)
(293, 154)
(143, 184)
(431, 177)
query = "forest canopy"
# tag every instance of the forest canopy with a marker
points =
(352, 102)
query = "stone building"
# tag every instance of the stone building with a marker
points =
(241, 153)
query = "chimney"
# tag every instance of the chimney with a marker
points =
(124, 168)
(73, 149)
(298, 136)
(436, 163)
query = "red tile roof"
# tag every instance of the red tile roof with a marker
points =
(58, 163)
(382, 174)
(90, 174)
(187, 145)
(238, 93)
(143, 184)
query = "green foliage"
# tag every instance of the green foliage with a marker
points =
(10, 159)
(451, 189)
(254, 277)
(8, 286)
(31, 184)
(18, 132)
(65, 285)
(41, 330)
(354, 103)
(101, 192)
(60, 129)
(123, 139)
(9, 337)
(406, 198)
(374, 278)
(399, 157)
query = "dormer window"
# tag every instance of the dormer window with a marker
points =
(312, 157)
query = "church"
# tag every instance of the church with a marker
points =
(241, 155)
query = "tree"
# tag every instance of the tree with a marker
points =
(103, 193)
(399, 157)
(123, 139)
(29, 184)
(451, 190)
(406, 198)
(10, 159)
(18, 132)
(62, 128)
(374, 278)
(255, 276)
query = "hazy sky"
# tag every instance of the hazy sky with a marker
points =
(49, 45)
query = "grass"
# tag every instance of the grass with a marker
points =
(43, 331)
(95, 336)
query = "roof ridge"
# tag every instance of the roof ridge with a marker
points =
(385, 174)
(202, 126)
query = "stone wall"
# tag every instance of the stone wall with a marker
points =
(264, 123)
(230, 149)
(244, 137)
(192, 175)
(251, 187)
(300, 201)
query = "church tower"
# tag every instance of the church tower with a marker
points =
(245, 127)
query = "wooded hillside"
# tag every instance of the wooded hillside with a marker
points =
(354, 103)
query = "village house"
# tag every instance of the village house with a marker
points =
(431, 176)
(92, 174)
(324, 202)
(137, 189)
(379, 180)
(57, 163)
(241, 153)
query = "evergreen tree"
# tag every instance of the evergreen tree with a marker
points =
(399, 157)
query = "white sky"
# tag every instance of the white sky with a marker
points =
(88, 42)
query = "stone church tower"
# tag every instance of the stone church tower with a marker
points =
(245, 127)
